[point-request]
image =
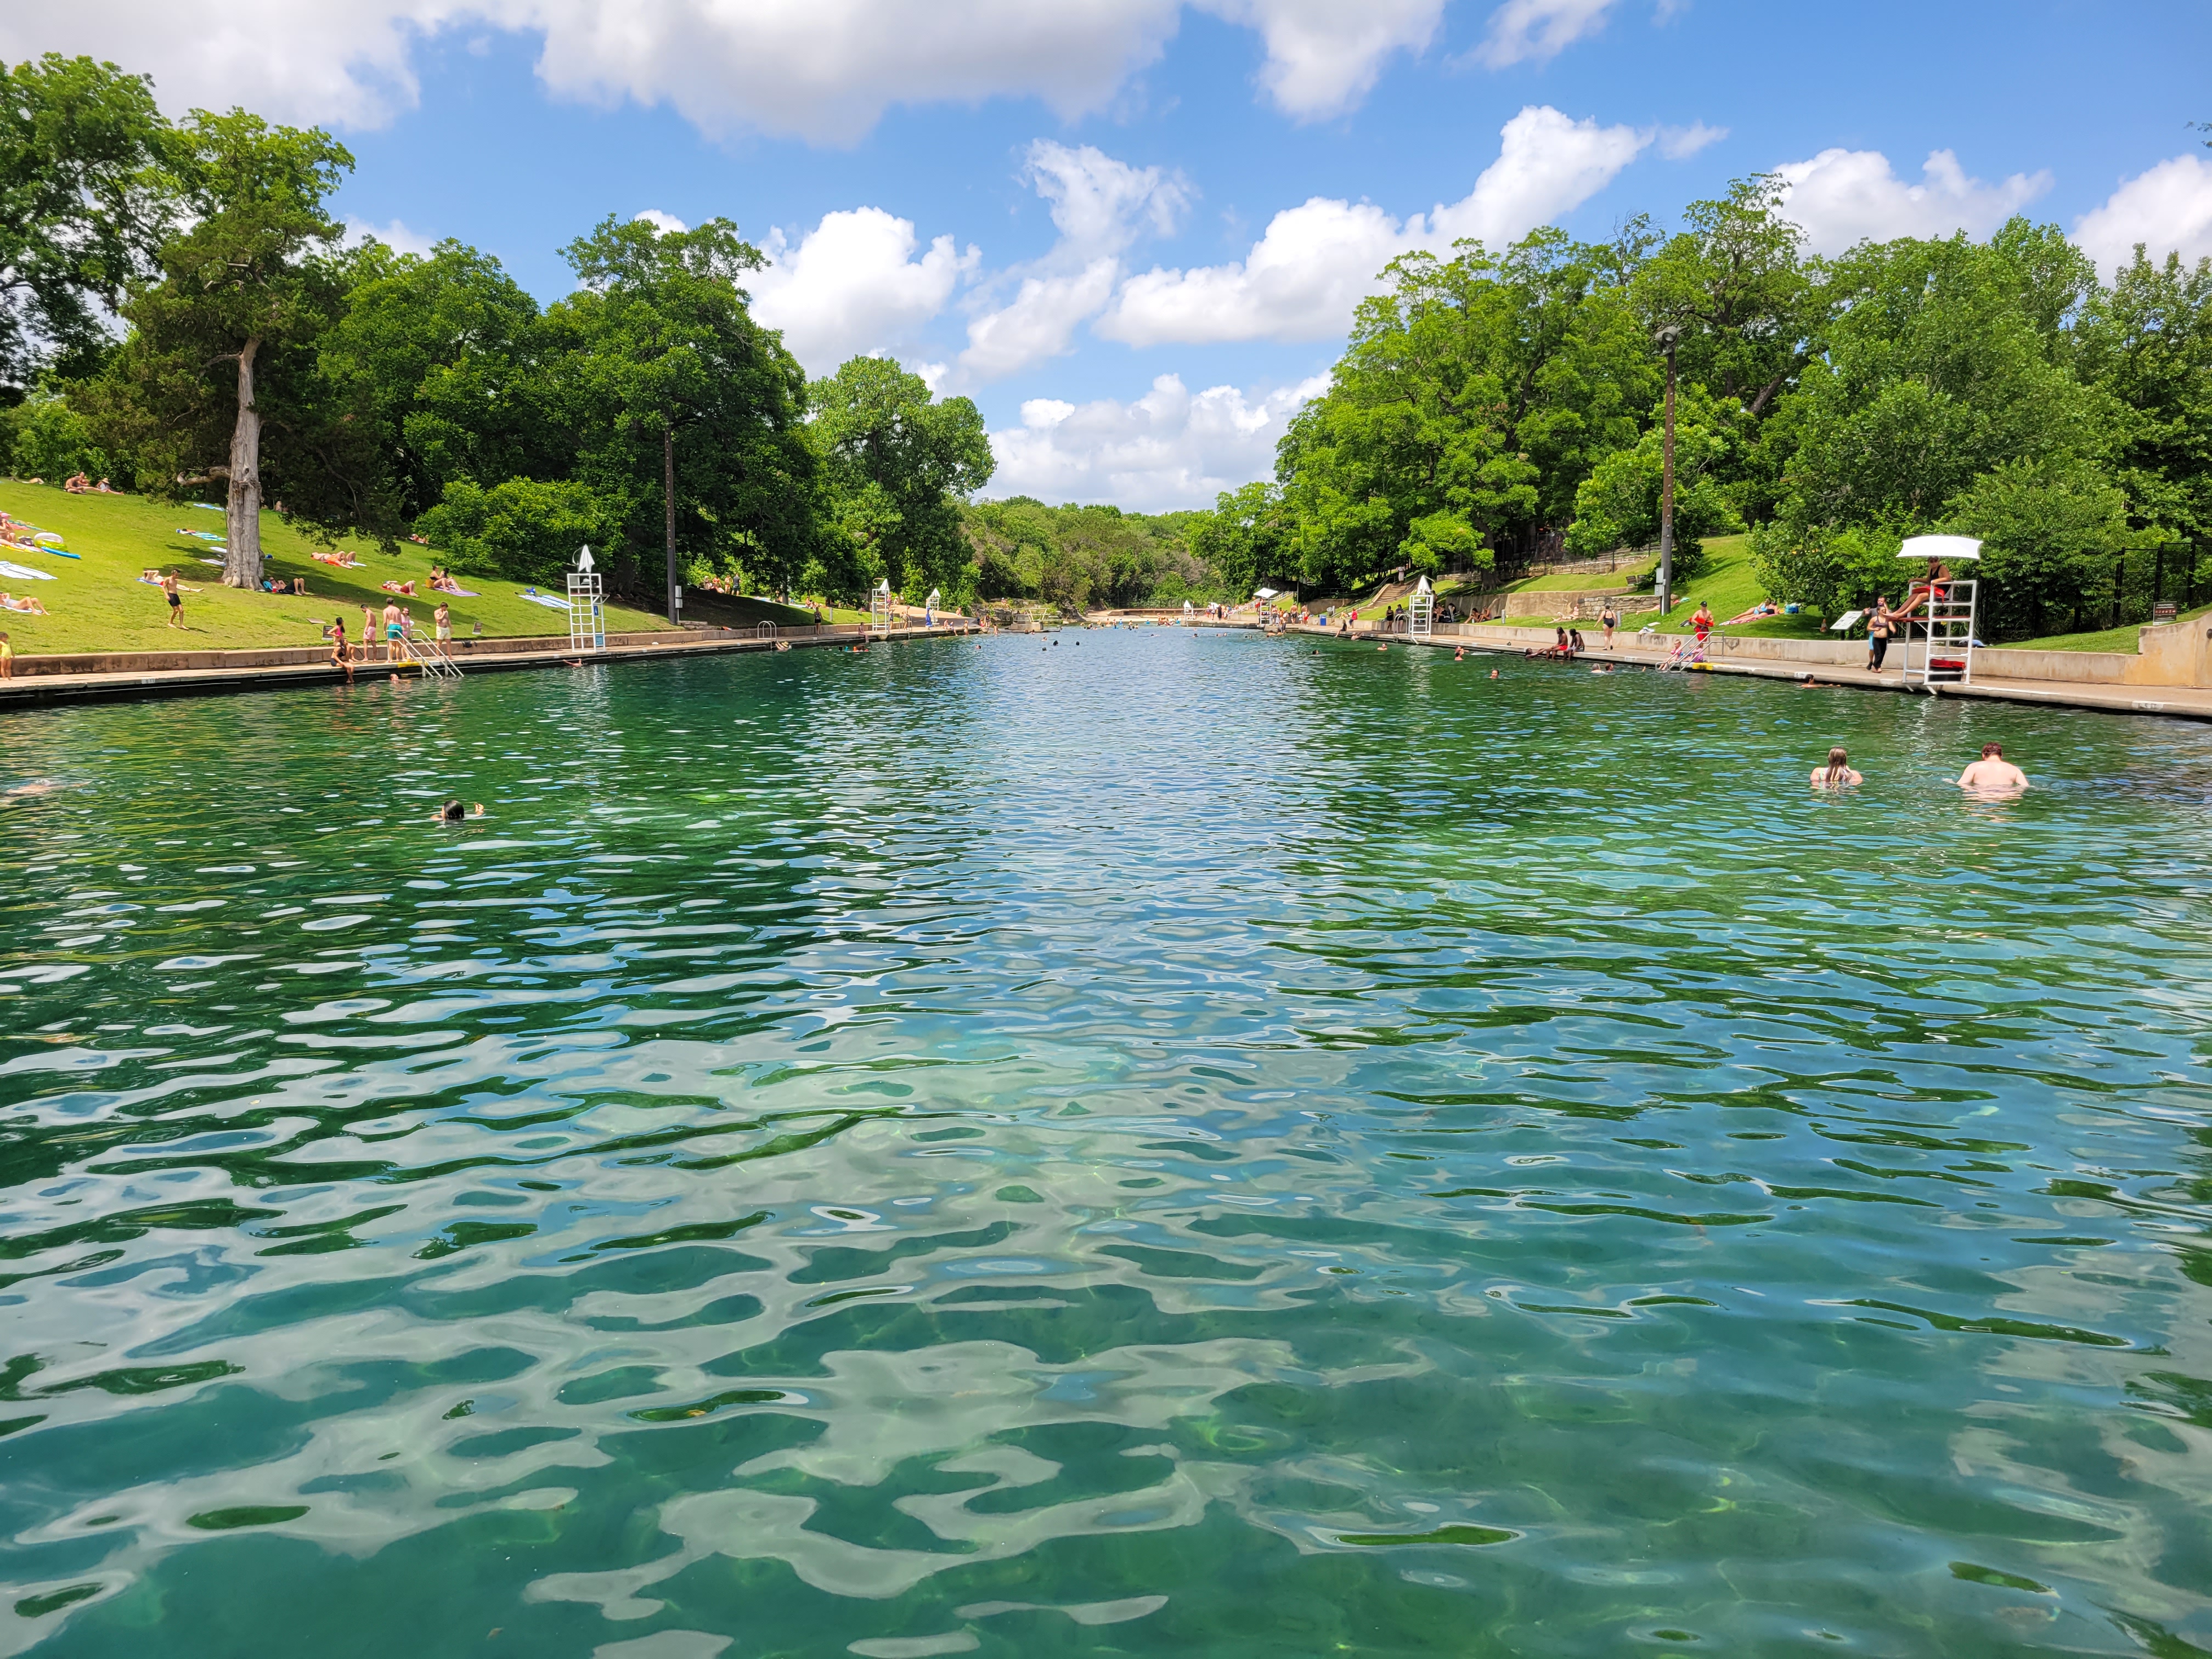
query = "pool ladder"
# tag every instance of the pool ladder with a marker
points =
(431, 656)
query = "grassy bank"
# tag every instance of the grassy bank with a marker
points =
(2126, 637)
(98, 604)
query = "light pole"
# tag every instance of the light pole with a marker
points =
(1666, 338)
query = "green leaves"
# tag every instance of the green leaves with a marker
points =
(899, 462)
(521, 529)
(82, 204)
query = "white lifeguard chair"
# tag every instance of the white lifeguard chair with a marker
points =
(587, 616)
(1421, 612)
(929, 608)
(879, 608)
(1939, 619)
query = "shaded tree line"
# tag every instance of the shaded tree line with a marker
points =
(1491, 406)
(370, 393)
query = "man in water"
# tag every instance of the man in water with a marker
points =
(1993, 774)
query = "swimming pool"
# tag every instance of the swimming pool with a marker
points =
(1152, 1144)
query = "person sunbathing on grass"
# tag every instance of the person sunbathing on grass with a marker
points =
(1764, 608)
(406, 588)
(77, 484)
(27, 605)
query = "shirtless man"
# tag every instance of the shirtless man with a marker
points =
(1993, 774)
(176, 600)
(395, 629)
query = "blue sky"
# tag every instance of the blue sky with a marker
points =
(1133, 230)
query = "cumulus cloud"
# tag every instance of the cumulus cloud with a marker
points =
(1038, 323)
(660, 222)
(1100, 206)
(1525, 30)
(1325, 56)
(1304, 276)
(1680, 143)
(853, 285)
(1843, 196)
(1165, 450)
(820, 69)
(2168, 209)
(397, 236)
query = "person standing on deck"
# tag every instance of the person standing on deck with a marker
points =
(1608, 618)
(1878, 631)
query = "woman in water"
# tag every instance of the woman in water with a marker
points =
(1837, 772)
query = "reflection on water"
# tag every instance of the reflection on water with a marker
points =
(1163, 1144)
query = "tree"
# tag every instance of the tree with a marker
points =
(1245, 539)
(82, 204)
(521, 529)
(662, 353)
(899, 463)
(1472, 401)
(1618, 505)
(446, 352)
(222, 360)
(2146, 342)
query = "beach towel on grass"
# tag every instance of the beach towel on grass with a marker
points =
(24, 573)
(545, 599)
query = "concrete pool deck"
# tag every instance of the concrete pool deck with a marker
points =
(97, 677)
(1839, 663)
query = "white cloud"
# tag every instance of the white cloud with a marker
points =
(1680, 143)
(1324, 56)
(1843, 196)
(821, 70)
(1521, 30)
(1303, 278)
(2168, 209)
(660, 222)
(853, 286)
(1167, 449)
(1100, 206)
(1038, 323)
(396, 236)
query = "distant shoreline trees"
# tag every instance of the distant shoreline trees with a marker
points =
(1490, 407)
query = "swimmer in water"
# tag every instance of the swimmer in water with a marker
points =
(1493, 673)
(452, 812)
(1837, 772)
(1993, 774)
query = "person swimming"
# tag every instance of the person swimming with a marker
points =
(1837, 772)
(452, 812)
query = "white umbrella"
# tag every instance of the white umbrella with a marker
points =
(1946, 548)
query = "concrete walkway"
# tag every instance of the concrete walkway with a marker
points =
(1649, 651)
(29, 690)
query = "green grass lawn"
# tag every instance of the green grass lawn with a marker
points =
(1582, 582)
(2123, 638)
(1730, 586)
(98, 604)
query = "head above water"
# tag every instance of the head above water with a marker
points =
(452, 812)
(1837, 756)
(1993, 751)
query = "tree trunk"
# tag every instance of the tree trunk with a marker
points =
(668, 500)
(242, 560)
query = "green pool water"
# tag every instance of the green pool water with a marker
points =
(1152, 1144)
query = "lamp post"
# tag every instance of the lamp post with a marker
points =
(1666, 338)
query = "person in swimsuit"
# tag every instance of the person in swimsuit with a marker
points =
(395, 630)
(336, 635)
(1608, 619)
(176, 600)
(443, 616)
(1993, 774)
(1878, 630)
(1837, 772)
(6, 658)
(1702, 621)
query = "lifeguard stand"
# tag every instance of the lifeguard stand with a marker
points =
(587, 616)
(929, 608)
(1939, 623)
(879, 608)
(1421, 612)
